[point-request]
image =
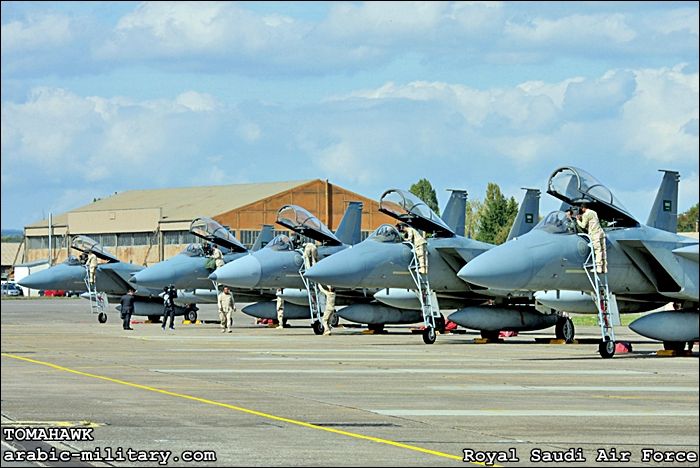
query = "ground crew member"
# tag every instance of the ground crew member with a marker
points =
(280, 309)
(169, 294)
(330, 308)
(127, 308)
(420, 245)
(217, 256)
(227, 306)
(589, 221)
(310, 255)
(92, 267)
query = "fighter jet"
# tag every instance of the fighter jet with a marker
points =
(111, 278)
(188, 271)
(383, 260)
(277, 265)
(647, 266)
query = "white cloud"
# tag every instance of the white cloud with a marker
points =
(39, 31)
(574, 29)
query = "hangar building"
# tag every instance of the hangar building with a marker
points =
(146, 226)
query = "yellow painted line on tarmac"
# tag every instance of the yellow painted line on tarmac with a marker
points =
(245, 410)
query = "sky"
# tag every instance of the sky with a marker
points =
(99, 98)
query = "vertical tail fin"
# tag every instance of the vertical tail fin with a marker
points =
(664, 212)
(265, 236)
(455, 211)
(528, 214)
(349, 229)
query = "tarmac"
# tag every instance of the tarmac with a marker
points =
(266, 397)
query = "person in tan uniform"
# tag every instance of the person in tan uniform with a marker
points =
(217, 256)
(588, 220)
(310, 255)
(227, 305)
(330, 308)
(420, 245)
(280, 309)
(92, 267)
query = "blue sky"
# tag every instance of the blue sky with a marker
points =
(100, 98)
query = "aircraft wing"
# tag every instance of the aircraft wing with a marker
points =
(671, 266)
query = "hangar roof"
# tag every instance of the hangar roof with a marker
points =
(12, 252)
(185, 203)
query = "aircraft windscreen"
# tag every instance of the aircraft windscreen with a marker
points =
(193, 250)
(86, 244)
(386, 233)
(280, 243)
(72, 261)
(408, 208)
(556, 222)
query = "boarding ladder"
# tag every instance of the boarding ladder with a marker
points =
(98, 301)
(606, 303)
(428, 299)
(313, 291)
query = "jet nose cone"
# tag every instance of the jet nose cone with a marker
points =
(34, 281)
(507, 266)
(242, 273)
(156, 276)
(340, 269)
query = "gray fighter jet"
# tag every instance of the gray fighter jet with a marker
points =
(648, 266)
(384, 260)
(277, 265)
(188, 270)
(112, 279)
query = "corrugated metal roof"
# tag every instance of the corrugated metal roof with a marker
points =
(186, 203)
(10, 252)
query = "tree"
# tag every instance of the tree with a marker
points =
(471, 218)
(688, 221)
(424, 190)
(497, 216)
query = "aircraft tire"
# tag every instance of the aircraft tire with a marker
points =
(565, 330)
(333, 322)
(677, 346)
(191, 315)
(606, 348)
(102, 317)
(429, 335)
(490, 334)
(317, 328)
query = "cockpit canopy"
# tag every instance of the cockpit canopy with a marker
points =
(280, 243)
(574, 186)
(386, 233)
(302, 222)
(556, 222)
(87, 245)
(212, 231)
(410, 209)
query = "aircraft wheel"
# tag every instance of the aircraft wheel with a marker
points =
(564, 329)
(606, 348)
(440, 324)
(317, 327)
(677, 346)
(333, 322)
(429, 335)
(191, 315)
(102, 317)
(490, 334)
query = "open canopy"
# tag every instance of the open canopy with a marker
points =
(574, 186)
(302, 222)
(410, 209)
(210, 230)
(87, 245)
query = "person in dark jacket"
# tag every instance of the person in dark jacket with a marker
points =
(127, 308)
